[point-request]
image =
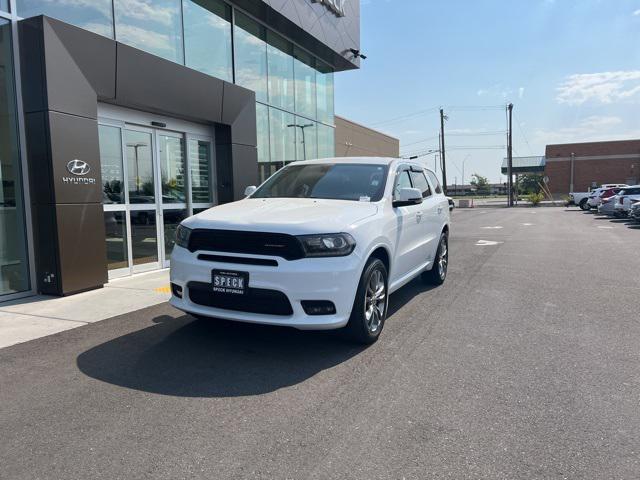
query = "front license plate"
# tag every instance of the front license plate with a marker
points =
(231, 282)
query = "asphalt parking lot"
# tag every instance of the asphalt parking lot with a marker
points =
(525, 364)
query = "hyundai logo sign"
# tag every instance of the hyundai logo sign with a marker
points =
(78, 167)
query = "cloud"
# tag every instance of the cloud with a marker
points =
(521, 92)
(603, 87)
(590, 129)
(497, 90)
(636, 13)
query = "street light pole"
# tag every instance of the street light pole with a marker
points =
(304, 143)
(135, 147)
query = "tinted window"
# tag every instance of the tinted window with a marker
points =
(93, 15)
(402, 181)
(334, 181)
(251, 55)
(420, 181)
(434, 181)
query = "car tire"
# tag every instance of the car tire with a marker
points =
(584, 205)
(438, 273)
(369, 310)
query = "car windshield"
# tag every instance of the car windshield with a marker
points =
(337, 181)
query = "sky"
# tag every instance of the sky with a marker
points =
(570, 67)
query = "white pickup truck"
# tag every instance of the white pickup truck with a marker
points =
(581, 198)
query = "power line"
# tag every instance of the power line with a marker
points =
(525, 137)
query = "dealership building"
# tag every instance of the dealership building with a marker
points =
(120, 118)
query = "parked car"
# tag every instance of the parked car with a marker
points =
(601, 193)
(320, 245)
(581, 198)
(625, 198)
(607, 207)
(634, 212)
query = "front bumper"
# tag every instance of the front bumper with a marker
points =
(334, 279)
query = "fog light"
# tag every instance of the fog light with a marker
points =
(176, 290)
(318, 307)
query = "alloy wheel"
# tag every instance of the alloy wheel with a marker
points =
(443, 257)
(375, 301)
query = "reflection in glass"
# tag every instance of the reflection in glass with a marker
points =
(93, 15)
(306, 139)
(144, 243)
(172, 169)
(326, 141)
(305, 84)
(171, 220)
(200, 161)
(250, 55)
(199, 210)
(4, 5)
(262, 127)
(14, 275)
(139, 166)
(116, 229)
(154, 26)
(207, 37)
(111, 164)
(280, 63)
(324, 87)
(282, 137)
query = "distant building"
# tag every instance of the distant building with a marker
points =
(592, 163)
(355, 140)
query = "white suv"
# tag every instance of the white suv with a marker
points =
(320, 245)
(625, 198)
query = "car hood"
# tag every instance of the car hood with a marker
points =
(297, 216)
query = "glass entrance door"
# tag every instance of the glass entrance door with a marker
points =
(152, 180)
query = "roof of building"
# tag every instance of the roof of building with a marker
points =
(591, 149)
(525, 165)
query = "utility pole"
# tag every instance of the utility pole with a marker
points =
(510, 155)
(442, 152)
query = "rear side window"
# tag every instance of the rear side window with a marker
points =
(420, 182)
(434, 181)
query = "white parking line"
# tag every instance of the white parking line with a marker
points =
(492, 228)
(604, 226)
(527, 224)
(485, 243)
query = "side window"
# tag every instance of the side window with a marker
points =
(402, 181)
(434, 181)
(420, 181)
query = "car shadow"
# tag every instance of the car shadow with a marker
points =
(213, 358)
(217, 358)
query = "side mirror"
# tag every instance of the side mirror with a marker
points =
(408, 196)
(250, 190)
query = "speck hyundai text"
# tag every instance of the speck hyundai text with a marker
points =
(319, 245)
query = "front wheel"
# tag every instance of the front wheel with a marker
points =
(370, 305)
(438, 273)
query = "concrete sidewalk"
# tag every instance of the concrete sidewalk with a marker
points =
(34, 317)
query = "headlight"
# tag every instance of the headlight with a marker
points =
(182, 236)
(328, 245)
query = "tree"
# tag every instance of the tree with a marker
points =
(529, 183)
(481, 183)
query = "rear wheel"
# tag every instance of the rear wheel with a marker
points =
(369, 310)
(584, 205)
(438, 273)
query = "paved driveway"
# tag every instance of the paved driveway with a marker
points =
(525, 364)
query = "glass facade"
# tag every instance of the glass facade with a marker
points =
(111, 165)
(207, 37)
(14, 271)
(154, 26)
(93, 15)
(212, 37)
(251, 55)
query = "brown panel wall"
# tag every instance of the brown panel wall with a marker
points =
(355, 140)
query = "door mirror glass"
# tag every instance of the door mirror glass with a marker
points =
(250, 190)
(408, 196)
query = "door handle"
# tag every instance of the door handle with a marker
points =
(419, 216)
(439, 210)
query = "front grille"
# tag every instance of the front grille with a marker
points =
(254, 243)
(265, 262)
(256, 300)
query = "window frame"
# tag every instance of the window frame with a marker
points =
(417, 170)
